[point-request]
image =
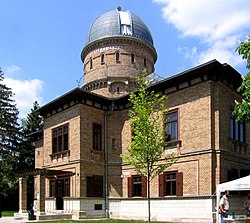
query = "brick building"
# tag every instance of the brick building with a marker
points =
(77, 157)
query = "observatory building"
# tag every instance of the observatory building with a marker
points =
(79, 172)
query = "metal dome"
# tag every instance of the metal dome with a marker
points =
(117, 23)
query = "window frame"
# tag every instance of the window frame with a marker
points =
(132, 184)
(60, 139)
(237, 130)
(97, 137)
(166, 122)
(163, 190)
(91, 63)
(53, 185)
(132, 58)
(94, 186)
(117, 57)
(102, 58)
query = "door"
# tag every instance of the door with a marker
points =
(59, 194)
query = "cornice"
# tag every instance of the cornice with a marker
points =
(117, 40)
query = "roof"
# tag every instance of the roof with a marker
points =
(235, 185)
(212, 70)
(117, 23)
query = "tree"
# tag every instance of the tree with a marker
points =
(9, 140)
(30, 125)
(242, 109)
(145, 154)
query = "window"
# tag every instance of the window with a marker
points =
(60, 187)
(67, 187)
(117, 57)
(52, 188)
(171, 126)
(60, 139)
(137, 186)
(102, 59)
(145, 62)
(171, 184)
(237, 129)
(95, 186)
(132, 58)
(97, 135)
(113, 144)
(91, 63)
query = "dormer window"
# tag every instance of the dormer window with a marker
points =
(117, 56)
(102, 59)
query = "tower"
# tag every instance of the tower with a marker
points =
(119, 49)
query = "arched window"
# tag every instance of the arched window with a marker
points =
(145, 62)
(117, 56)
(132, 58)
(102, 59)
(91, 63)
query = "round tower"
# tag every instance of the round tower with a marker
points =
(119, 49)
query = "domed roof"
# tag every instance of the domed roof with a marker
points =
(117, 23)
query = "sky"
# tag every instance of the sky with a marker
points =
(41, 41)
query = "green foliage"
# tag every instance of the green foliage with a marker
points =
(242, 109)
(146, 120)
(30, 125)
(9, 139)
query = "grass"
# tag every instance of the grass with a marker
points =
(7, 213)
(11, 214)
(97, 221)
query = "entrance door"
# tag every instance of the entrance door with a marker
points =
(59, 194)
(59, 188)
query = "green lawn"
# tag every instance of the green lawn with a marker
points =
(7, 213)
(11, 214)
(97, 221)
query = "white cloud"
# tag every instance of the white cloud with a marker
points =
(218, 24)
(25, 91)
(12, 69)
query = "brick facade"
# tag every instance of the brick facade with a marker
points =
(202, 98)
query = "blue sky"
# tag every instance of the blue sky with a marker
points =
(41, 40)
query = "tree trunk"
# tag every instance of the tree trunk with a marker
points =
(149, 208)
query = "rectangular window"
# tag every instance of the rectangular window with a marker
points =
(67, 187)
(132, 58)
(95, 186)
(171, 184)
(60, 187)
(52, 188)
(60, 139)
(117, 57)
(171, 126)
(137, 186)
(237, 129)
(97, 136)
